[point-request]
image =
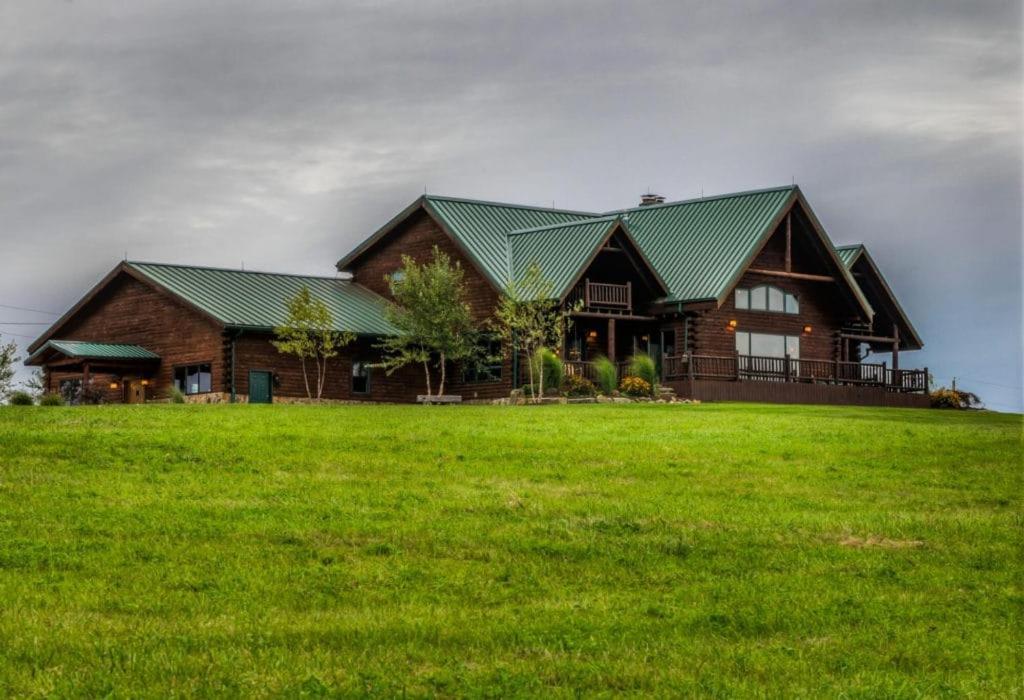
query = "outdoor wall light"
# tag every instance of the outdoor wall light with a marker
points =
(807, 330)
(114, 385)
(145, 382)
(732, 325)
(592, 334)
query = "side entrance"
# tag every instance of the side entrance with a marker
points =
(260, 387)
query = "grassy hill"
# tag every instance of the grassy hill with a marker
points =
(714, 549)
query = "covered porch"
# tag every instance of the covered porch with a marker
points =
(83, 371)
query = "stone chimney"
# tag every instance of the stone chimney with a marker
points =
(650, 198)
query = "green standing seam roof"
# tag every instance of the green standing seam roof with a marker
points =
(482, 228)
(260, 299)
(106, 351)
(699, 246)
(848, 254)
(560, 251)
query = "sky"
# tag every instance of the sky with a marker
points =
(278, 135)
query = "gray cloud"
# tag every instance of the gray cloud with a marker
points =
(281, 134)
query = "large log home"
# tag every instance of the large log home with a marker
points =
(737, 297)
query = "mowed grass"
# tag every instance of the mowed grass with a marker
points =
(727, 550)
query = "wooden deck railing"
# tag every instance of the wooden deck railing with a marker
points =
(602, 295)
(785, 369)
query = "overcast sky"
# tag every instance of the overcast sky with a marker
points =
(280, 134)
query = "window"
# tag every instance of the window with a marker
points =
(194, 379)
(767, 345)
(766, 297)
(488, 368)
(360, 377)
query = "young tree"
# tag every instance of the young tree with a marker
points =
(309, 334)
(529, 318)
(35, 385)
(8, 356)
(431, 317)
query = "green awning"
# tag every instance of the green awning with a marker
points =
(86, 350)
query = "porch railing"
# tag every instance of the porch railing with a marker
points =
(786, 369)
(602, 295)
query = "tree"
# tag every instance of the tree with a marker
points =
(309, 334)
(529, 319)
(35, 385)
(431, 317)
(8, 356)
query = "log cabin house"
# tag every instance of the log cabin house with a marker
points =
(737, 297)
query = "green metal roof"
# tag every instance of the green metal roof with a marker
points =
(699, 246)
(561, 251)
(848, 254)
(482, 228)
(106, 351)
(260, 299)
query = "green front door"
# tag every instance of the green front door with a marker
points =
(260, 387)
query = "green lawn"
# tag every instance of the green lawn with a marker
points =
(722, 549)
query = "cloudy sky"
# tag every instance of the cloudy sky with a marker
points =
(280, 134)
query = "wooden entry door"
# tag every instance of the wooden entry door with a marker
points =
(136, 391)
(260, 387)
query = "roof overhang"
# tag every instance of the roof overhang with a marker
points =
(909, 337)
(70, 352)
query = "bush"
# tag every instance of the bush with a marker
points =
(546, 361)
(635, 386)
(952, 398)
(575, 385)
(21, 398)
(175, 396)
(607, 375)
(51, 400)
(641, 365)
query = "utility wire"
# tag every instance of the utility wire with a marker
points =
(24, 323)
(23, 308)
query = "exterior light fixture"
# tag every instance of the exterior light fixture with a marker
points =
(732, 325)
(114, 385)
(145, 382)
(807, 330)
(591, 334)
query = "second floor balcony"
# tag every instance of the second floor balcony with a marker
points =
(602, 297)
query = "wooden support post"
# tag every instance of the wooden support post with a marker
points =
(786, 368)
(690, 372)
(629, 296)
(611, 339)
(789, 242)
(85, 374)
(586, 293)
(895, 347)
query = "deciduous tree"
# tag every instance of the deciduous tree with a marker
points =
(309, 334)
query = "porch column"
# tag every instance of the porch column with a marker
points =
(611, 339)
(85, 374)
(895, 347)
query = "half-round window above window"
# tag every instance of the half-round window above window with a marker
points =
(766, 297)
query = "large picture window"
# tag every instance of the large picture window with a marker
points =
(768, 345)
(194, 379)
(766, 297)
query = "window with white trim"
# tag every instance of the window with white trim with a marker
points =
(766, 297)
(768, 345)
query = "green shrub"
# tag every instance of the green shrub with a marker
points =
(642, 365)
(546, 361)
(607, 375)
(175, 395)
(575, 385)
(635, 386)
(21, 398)
(952, 398)
(51, 400)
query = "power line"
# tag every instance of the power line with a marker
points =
(24, 323)
(23, 308)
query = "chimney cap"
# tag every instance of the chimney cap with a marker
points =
(650, 198)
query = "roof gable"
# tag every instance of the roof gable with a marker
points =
(856, 257)
(560, 251)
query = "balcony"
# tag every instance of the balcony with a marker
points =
(602, 297)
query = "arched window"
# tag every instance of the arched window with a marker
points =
(767, 297)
